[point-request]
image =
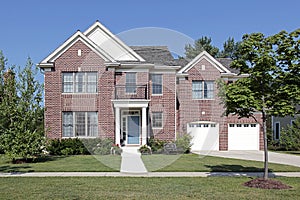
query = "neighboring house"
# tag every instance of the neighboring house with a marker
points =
(97, 86)
(278, 123)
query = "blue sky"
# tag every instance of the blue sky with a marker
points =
(35, 28)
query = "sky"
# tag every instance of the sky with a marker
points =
(35, 28)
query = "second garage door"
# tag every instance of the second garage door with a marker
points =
(243, 137)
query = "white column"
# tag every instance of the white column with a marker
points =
(144, 126)
(117, 128)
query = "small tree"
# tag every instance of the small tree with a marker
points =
(272, 87)
(21, 124)
(230, 49)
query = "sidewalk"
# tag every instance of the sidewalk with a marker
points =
(149, 174)
(131, 161)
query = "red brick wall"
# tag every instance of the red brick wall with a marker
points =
(166, 104)
(203, 110)
(56, 102)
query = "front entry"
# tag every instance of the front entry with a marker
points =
(131, 127)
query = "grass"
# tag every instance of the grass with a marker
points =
(86, 163)
(196, 163)
(140, 188)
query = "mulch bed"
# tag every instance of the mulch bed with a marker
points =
(266, 184)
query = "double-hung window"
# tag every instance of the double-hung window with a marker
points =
(156, 84)
(80, 82)
(157, 120)
(202, 89)
(80, 124)
(130, 82)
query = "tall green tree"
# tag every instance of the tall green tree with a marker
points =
(272, 87)
(21, 124)
(204, 43)
(230, 49)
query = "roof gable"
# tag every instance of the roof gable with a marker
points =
(72, 40)
(112, 45)
(209, 58)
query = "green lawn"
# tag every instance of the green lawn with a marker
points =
(196, 163)
(86, 163)
(140, 188)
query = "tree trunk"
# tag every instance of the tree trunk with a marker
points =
(266, 168)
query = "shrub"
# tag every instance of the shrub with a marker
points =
(145, 149)
(183, 142)
(156, 145)
(290, 137)
(70, 146)
(103, 147)
(115, 149)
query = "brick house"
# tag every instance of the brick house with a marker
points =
(97, 86)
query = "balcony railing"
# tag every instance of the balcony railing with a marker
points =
(131, 92)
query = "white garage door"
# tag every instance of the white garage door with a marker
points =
(205, 135)
(243, 137)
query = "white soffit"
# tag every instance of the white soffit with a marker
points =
(109, 43)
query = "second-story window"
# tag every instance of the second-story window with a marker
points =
(80, 82)
(203, 89)
(156, 83)
(130, 82)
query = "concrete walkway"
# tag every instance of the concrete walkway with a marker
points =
(279, 158)
(149, 174)
(131, 161)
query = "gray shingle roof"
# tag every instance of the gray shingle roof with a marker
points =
(159, 55)
(226, 63)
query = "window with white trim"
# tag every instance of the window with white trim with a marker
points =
(131, 82)
(80, 124)
(80, 82)
(156, 83)
(203, 89)
(157, 120)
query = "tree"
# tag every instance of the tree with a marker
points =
(230, 49)
(21, 124)
(290, 136)
(204, 43)
(272, 86)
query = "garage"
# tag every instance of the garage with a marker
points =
(205, 135)
(243, 136)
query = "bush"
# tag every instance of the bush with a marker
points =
(156, 145)
(70, 146)
(103, 147)
(145, 149)
(183, 142)
(290, 137)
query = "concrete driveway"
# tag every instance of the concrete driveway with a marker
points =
(279, 158)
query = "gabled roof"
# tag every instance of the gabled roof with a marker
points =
(101, 41)
(78, 36)
(103, 38)
(226, 62)
(209, 58)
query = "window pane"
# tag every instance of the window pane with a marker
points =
(91, 83)
(130, 82)
(80, 123)
(79, 82)
(67, 124)
(156, 83)
(92, 124)
(197, 90)
(208, 90)
(157, 119)
(68, 82)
